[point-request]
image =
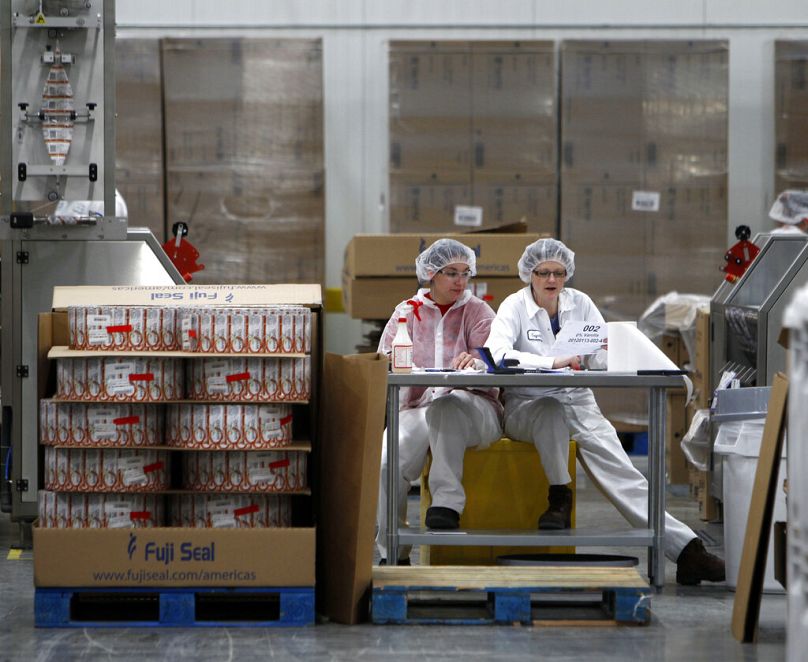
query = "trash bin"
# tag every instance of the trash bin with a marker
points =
(738, 444)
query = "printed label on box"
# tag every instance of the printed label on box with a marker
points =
(222, 514)
(118, 514)
(645, 201)
(257, 472)
(101, 425)
(216, 376)
(97, 333)
(133, 470)
(468, 216)
(118, 378)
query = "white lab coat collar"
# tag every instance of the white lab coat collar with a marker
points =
(565, 302)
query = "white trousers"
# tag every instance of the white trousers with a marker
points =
(549, 422)
(447, 426)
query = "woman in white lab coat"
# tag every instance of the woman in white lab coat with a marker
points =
(525, 328)
(790, 212)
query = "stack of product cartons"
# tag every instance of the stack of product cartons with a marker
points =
(644, 168)
(472, 135)
(244, 155)
(175, 407)
(379, 269)
(791, 115)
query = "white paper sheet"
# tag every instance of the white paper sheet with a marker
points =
(579, 339)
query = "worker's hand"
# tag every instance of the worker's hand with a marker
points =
(573, 362)
(463, 360)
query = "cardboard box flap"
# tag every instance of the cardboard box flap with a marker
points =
(188, 295)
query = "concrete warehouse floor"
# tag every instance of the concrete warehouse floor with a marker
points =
(688, 624)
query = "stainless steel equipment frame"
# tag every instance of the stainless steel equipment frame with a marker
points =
(652, 537)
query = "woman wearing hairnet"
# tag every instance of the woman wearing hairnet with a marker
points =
(524, 329)
(790, 212)
(445, 322)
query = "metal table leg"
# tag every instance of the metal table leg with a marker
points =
(656, 488)
(392, 475)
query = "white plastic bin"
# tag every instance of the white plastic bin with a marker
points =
(738, 443)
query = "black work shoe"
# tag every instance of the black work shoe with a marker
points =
(559, 512)
(438, 517)
(400, 561)
(696, 563)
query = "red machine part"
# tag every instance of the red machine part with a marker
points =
(182, 253)
(740, 255)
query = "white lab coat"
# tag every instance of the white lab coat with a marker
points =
(549, 417)
(445, 421)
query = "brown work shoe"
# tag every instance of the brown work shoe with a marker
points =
(559, 513)
(696, 563)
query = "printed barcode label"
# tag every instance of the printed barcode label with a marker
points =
(101, 424)
(216, 376)
(258, 469)
(468, 216)
(117, 378)
(118, 514)
(97, 329)
(222, 513)
(132, 468)
(645, 201)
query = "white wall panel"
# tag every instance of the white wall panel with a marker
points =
(256, 13)
(418, 13)
(755, 12)
(620, 12)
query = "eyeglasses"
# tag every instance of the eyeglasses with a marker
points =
(451, 275)
(544, 273)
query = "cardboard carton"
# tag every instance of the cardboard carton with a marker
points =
(426, 206)
(434, 148)
(429, 79)
(504, 202)
(93, 558)
(394, 254)
(675, 460)
(513, 79)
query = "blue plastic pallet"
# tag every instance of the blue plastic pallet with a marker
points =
(180, 607)
(396, 605)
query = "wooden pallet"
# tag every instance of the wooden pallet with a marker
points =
(165, 607)
(474, 595)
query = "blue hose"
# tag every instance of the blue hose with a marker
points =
(8, 462)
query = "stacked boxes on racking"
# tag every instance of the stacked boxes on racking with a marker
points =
(644, 168)
(791, 114)
(472, 135)
(182, 419)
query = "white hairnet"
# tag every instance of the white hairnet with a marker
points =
(545, 250)
(790, 207)
(441, 253)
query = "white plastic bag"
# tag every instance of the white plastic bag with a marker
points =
(696, 443)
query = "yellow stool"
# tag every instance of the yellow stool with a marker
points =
(505, 489)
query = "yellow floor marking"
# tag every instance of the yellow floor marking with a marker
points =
(14, 554)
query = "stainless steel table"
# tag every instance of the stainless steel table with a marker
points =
(651, 537)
